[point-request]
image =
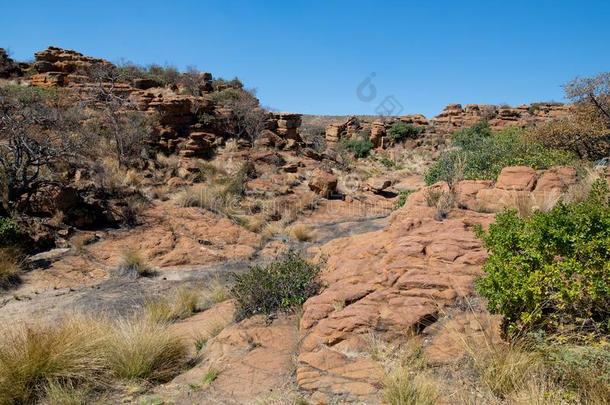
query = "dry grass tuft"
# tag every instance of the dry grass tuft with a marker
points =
(141, 349)
(36, 356)
(402, 387)
(180, 305)
(302, 233)
(272, 229)
(171, 162)
(9, 268)
(505, 368)
(65, 394)
(253, 223)
(215, 293)
(133, 264)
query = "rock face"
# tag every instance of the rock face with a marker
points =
(385, 282)
(453, 117)
(323, 183)
(191, 125)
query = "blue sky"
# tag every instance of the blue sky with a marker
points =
(311, 56)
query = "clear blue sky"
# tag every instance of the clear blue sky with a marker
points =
(310, 56)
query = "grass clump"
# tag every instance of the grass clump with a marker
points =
(182, 304)
(550, 271)
(9, 268)
(133, 264)
(145, 350)
(35, 357)
(402, 198)
(302, 233)
(403, 388)
(484, 154)
(281, 285)
(210, 376)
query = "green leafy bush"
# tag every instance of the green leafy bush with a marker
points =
(484, 154)
(402, 198)
(360, 147)
(281, 285)
(9, 231)
(399, 131)
(551, 271)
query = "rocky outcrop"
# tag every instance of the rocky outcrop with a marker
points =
(455, 116)
(385, 283)
(192, 125)
(8, 67)
(323, 183)
(404, 278)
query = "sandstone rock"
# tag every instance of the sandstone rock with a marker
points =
(323, 183)
(467, 191)
(384, 282)
(521, 178)
(378, 184)
(377, 133)
(556, 178)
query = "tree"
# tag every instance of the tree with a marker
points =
(586, 130)
(119, 122)
(37, 133)
(248, 118)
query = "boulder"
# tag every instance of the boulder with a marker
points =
(323, 183)
(378, 184)
(520, 178)
(556, 178)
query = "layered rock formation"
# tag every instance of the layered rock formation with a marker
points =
(191, 125)
(387, 283)
(453, 117)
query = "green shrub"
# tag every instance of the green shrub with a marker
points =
(402, 198)
(484, 154)
(399, 131)
(281, 285)
(9, 231)
(360, 147)
(551, 271)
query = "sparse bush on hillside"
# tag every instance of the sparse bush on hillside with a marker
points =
(248, 117)
(360, 147)
(550, 270)
(38, 132)
(279, 286)
(399, 131)
(483, 154)
(586, 130)
(9, 231)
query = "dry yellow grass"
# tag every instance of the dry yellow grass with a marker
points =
(179, 305)
(9, 268)
(253, 223)
(302, 233)
(141, 349)
(33, 356)
(133, 264)
(64, 359)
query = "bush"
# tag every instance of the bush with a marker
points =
(484, 154)
(281, 285)
(551, 270)
(399, 131)
(9, 232)
(360, 147)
